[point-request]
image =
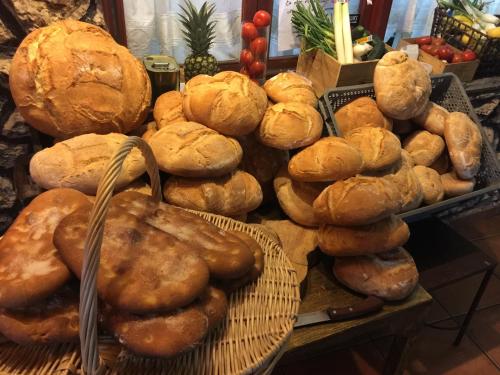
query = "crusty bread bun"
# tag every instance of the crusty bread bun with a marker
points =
(464, 142)
(433, 118)
(329, 159)
(290, 87)
(424, 147)
(379, 148)
(358, 200)
(402, 86)
(430, 181)
(151, 128)
(359, 113)
(290, 125)
(391, 276)
(384, 235)
(228, 102)
(453, 186)
(168, 109)
(72, 78)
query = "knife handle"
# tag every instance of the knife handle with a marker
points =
(369, 305)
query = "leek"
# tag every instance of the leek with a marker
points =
(339, 35)
(347, 33)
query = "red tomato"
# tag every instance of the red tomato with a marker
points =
(257, 68)
(424, 40)
(427, 48)
(438, 41)
(469, 55)
(249, 31)
(261, 18)
(246, 56)
(244, 71)
(259, 46)
(445, 53)
(457, 58)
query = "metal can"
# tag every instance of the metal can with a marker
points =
(164, 74)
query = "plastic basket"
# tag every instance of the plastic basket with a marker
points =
(447, 91)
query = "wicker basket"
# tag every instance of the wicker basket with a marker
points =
(251, 339)
(447, 91)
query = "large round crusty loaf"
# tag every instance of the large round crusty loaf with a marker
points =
(424, 147)
(430, 181)
(228, 102)
(359, 113)
(453, 186)
(402, 86)
(358, 200)
(464, 142)
(329, 159)
(391, 276)
(290, 87)
(229, 195)
(296, 198)
(72, 78)
(168, 109)
(80, 162)
(384, 235)
(433, 118)
(290, 125)
(190, 149)
(379, 148)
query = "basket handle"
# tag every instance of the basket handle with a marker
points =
(92, 249)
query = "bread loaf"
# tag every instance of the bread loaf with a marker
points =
(384, 235)
(290, 125)
(329, 159)
(453, 186)
(80, 162)
(72, 78)
(430, 181)
(402, 86)
(391, 276)
(433, 118)
(361, 112)
(229, 195)
(379, 148)
(290, 87)
(190, 149)
(228, 102)
(464, 142)
(168, 109)
(296, 198)
(357, 201)
(151, 128)
(425, 148)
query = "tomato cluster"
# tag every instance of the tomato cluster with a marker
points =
(254, 50)
(437, 47)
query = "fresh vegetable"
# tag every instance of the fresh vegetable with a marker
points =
(249, 31)
(445, 53)
(469, 55)
(244, 71)
(424, 40)
(494, 33)
(258, 46)
(246, 56)
(257, 68)
(359, 50)
(346, 30)
(358, 32)
(427, 48)
(457, 58)
(378, 49)
(339, 32)
(438, 41)
(472, 10)
(261, 18)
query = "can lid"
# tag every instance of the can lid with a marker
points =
(160, 63)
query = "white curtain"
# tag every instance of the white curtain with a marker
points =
(153, 27)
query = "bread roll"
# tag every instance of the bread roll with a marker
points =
(431, 184)
(190, 149)
(379, 148)
(361, 112)
(72, 78)
(329, 159)
(384, 235)
(168, 109)
(402, 86)
(357, 201)
(433, 118)
(231, 195)
(464, 142)
(391, 276)
(290, 87)
(442, 164)
(453, 186)
(425, 148)
(296, 198)
(151, 128)
(228, 102)
(407, 183)
(79, 163)
(290, 125)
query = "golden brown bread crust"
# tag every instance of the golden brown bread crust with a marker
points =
(190, 149)
(150, 129)
(168, 109)
(290, 87)
(358, 200)
(433, 118)
(329, 159)
(464, 142)
(424, 147)
(72, 78)
(431, 184)
(402, 86)
(290, 125)
(454, 186)
(361, 112)
(442, 164)
(228, 102)
(30, 266)
(384, 235)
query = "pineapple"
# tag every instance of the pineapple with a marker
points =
(199, 35)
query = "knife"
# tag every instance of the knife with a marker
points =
(369, 305)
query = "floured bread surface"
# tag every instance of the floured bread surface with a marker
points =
(226, 255)
(30, 266)
(54, 319)
(142, 269)
(213, 303)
